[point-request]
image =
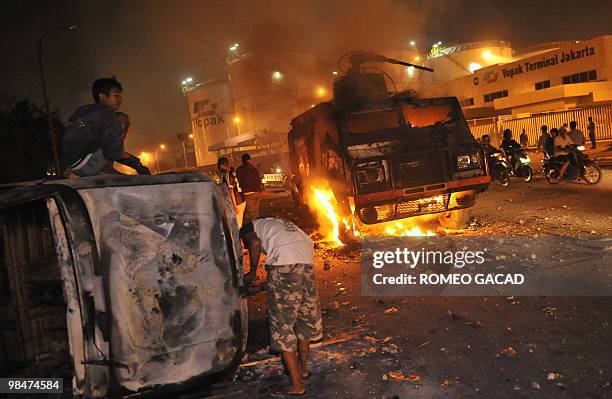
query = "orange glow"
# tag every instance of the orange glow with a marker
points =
(191, 136)
(321, 92)
(417, 58)
(400, 230)
(237, 119)
(324, 205)
(145, 158)
(162, 146)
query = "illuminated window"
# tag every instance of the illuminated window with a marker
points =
(542, 85)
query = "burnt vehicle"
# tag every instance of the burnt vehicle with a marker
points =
(387, 157)
(120, 284)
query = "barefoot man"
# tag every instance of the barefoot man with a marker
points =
(293, 301)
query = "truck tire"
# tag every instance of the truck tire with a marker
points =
(454, 220)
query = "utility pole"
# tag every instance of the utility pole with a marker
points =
(50, 130)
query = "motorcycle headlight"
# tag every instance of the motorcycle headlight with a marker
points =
(370, 172)
(468, 161)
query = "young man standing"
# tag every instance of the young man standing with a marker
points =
(294, 309)
(94, 136)
(250, 181)
(591, 130)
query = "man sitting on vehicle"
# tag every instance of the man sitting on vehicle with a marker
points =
(563, 145)
(575, 134)
(94, 137)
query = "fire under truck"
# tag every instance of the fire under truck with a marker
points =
(387, 156)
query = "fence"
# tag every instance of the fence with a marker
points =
(602, 116)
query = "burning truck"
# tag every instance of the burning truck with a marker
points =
(385, 157)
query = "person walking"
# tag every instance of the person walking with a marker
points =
(524, 140)
(544, 136)
(294, 309)
(591, 131)
(250, 181)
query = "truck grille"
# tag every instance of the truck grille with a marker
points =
(423, 205)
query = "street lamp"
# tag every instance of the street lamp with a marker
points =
(161, 147)
(51, 131)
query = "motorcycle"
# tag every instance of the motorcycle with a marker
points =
(589, 171)
(522, 166)
(500, 168)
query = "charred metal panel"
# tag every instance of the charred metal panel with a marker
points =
(168, 253)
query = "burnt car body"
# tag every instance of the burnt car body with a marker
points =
(120, 284)
(388, 157)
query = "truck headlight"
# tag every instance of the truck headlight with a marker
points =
(370, 172)
(467, 161)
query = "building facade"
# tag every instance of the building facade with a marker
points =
(548, 77)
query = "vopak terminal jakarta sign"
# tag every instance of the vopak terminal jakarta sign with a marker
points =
(547, 61)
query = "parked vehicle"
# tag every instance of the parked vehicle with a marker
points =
(120, 284)
(387, 157)
(590, 171)
(275, 180)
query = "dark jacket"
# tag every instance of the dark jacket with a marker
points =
(510, 145)
(92, 127)
(248, 178)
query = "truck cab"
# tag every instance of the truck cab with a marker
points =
(388, 156)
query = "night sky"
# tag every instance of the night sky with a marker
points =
(152, 45)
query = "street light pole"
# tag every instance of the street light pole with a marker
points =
(50, 129)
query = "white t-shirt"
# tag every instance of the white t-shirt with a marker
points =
(562, 142)
(283, 242)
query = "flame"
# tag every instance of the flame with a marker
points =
(324, 206)
(398, 229)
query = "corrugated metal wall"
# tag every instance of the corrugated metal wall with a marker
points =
(602, 116)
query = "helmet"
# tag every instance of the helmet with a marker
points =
(507, 134)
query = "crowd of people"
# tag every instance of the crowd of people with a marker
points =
(556, 143)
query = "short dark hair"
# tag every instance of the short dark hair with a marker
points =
(222, 161)
(104, 86)
(245, 158)
(573, 124)
(544, 128)
(245, 230)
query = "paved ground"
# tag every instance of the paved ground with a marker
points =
(454, 347)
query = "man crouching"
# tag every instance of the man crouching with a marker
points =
(294, 309)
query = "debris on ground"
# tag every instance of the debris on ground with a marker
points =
(390, 310)
(508, 352)
(449, 382)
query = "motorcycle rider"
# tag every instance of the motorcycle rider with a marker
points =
(510, 147)
(563, 144)
(489, 150)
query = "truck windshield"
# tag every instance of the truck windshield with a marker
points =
(410, 116)
(429, 115)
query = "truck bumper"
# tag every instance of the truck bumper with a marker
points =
(415, 201)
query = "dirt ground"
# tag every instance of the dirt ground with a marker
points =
(451, 347)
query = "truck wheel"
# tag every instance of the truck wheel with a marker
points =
(454, 220)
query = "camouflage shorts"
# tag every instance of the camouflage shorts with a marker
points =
(293, 306)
